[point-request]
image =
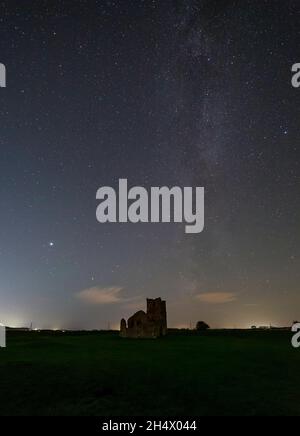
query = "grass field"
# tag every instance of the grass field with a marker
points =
(217, 373)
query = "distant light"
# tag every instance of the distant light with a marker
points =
(51, 244)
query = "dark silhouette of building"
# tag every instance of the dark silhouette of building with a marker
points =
(152, 324)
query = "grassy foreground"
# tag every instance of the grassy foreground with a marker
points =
(218, 373)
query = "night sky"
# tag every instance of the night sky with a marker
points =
(163, 93)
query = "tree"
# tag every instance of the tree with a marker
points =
(202, 326)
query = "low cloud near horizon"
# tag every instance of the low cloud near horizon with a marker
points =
(217, 297)
(105, 295)
(98, 295)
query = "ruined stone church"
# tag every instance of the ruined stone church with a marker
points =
(152, 324)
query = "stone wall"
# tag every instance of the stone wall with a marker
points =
(152, 324)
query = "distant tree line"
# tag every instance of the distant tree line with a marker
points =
(202, 326)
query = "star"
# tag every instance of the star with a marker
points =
(51, 244)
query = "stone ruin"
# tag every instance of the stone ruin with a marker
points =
(152, 324)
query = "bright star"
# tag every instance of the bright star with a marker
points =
(51, 244)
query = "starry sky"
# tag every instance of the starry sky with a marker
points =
(163, 93)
